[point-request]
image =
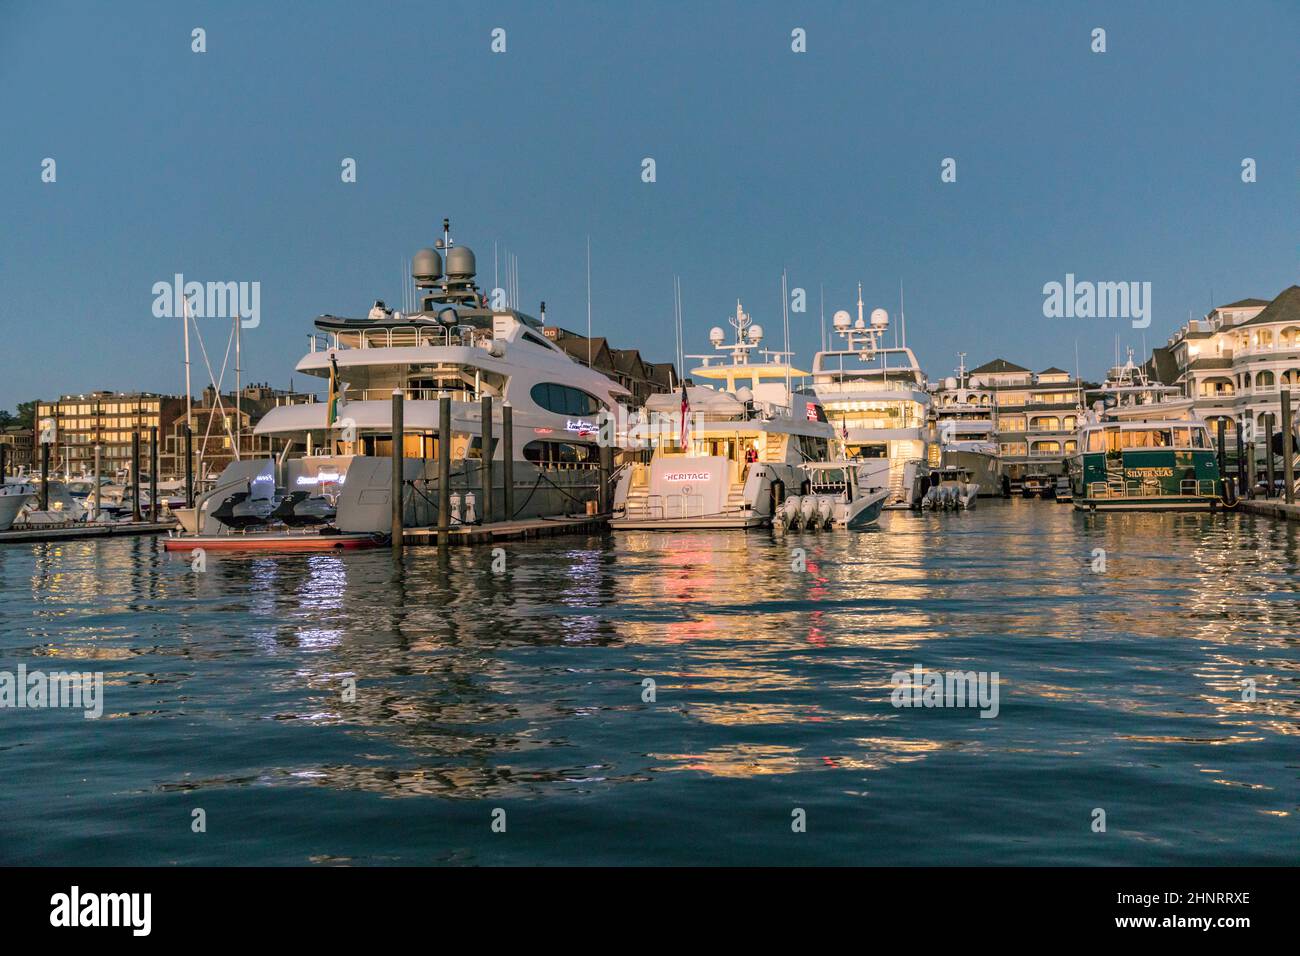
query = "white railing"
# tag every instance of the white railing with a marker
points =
(865, 385)
(1189, 488)
(409, 337)
(413, 394)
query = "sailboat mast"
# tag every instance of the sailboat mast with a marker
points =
(239, 396)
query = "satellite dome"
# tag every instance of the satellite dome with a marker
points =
(950, 382)
(755, 333)
(841, 319)
(460, 263)
(716, 335)
(879, 318)
(426, 265)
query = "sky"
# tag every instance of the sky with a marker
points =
(1117, 166)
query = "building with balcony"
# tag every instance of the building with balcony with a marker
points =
(1035, 415)
(1234, 363)
(17, 442)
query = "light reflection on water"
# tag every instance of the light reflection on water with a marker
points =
(524, 690)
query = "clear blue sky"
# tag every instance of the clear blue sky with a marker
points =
(225, 165)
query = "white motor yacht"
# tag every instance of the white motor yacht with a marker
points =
(733, 449)
(460, 346)
(876, 398)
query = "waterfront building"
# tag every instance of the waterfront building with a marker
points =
(18, 448)
(77, 423)
(1235, 361)
(218, 424)
(1035, 416)
(625, 366)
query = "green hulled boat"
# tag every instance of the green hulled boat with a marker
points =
(1144, 449)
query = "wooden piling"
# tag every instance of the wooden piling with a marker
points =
(1269, 464)
(485, 441)
(399, 435)
(153, 473)
(135, 475)
(95, 491)
(508, 460)
(444, 471)
(603, 495)
(1288, 449)
(45, 475)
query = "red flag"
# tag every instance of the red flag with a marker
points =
(686, 410)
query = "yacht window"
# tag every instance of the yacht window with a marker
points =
(536, 341)
(559, 452)
(564, 400)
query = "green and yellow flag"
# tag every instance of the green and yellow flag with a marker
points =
(332, 410)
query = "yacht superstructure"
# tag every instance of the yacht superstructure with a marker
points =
(1142, 447)
(740, 445)
(461, 346)
(877, 400)
(964, 422)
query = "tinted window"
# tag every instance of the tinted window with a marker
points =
(557, 452)
(564, 400)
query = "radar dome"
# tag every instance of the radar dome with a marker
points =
(460, 263)
(879, 318)
(841, 319)
(755, 333)
(426, 265)
(716, 335)
(950, 383)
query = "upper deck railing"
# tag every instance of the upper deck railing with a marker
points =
(389, 338)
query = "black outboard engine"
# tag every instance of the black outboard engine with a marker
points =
(239, 513)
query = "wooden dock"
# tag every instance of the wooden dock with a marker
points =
(509, 530)
(1270, 507)
(74, 530)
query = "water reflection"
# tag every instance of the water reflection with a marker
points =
(529, 682)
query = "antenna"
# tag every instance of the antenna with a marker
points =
(588, 301)
(902, 316)
(785, 320)
(821, 299)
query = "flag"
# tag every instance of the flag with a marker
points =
(686, 410)
(332, 409)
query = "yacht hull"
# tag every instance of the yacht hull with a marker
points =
(703, 523)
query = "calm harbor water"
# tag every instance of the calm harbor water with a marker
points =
(224, 690)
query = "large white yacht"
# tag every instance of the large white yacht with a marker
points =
(877, 400)
(456, 345)
(739, 443)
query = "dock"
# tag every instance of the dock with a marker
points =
(72, 531)
(509, 530)
(1270, 507)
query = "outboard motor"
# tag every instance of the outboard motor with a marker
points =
(808, 510)
(825, 510)
(471, 517)
(775, 496)
(792, 511)
(455, 508)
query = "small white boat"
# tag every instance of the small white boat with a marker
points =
(954, 491)
(843, 494)
(14, 493)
